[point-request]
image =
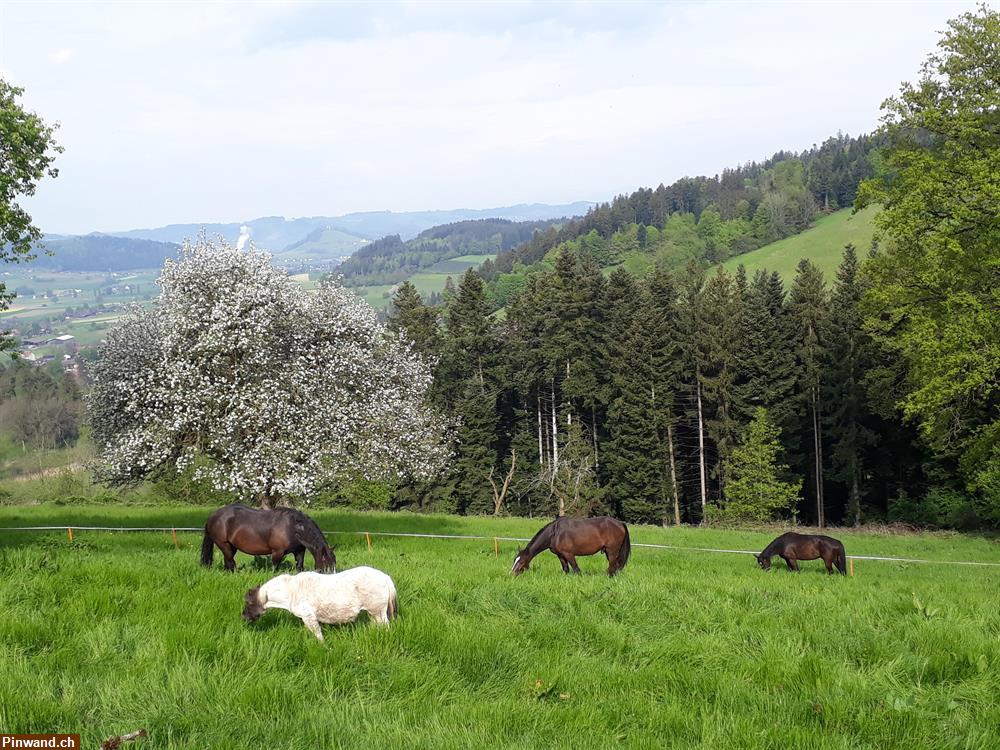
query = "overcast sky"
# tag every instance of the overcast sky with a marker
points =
(225, 112)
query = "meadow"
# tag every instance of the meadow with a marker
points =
(823, 244)
(427, 282)
(115, 631)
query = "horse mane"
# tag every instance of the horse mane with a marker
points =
(311, 534)
(546, 529)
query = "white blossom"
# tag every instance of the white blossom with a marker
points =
(264, 389)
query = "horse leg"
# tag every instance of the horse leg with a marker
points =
(829, 565)
(612, 563)
(793, 564)
(562, 560)
(300, 559)
(572, 562)
(228, 555)
(277, 557)
(789, 562)
(308, 617)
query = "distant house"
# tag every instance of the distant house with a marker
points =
(64, 339)
(33, 343)
(29, 356)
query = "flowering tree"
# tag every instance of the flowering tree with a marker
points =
(259, 387)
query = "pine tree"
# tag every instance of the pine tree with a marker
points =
(847, 361)
(634, 453)
(807, 303)
(723, 327)
(469, 390)
(755, 491)
(665, 366)
(410, 315)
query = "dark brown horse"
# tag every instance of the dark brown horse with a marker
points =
(277, 533)
(569, 537)
(792, 547)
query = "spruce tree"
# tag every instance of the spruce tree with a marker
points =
(847, 362)
(807, 303)
(755, 491)
(410, 315)
(469, 389)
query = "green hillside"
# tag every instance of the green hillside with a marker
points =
(823, 244)
(427, 282)
(323, 244)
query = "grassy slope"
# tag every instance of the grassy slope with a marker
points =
(331, 243)
(823, 244)
(426, 282)
(110, 633)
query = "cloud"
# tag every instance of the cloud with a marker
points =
(63, 56)
(203, 112)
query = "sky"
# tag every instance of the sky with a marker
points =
(191, 112)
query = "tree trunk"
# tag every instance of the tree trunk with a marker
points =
(673, 475)
(538, 411)
(701, 445)
(555, 438)
(820, 516)
(569, 412)
(855, 501)
(593, 435)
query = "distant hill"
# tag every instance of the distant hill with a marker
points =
(102, 252)
(391, 260)
(276, 233)
(823, 244)
(324, 244)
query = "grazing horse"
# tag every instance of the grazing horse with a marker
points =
(568, 537)
(277, 533)
(335, 599)
(792, 547)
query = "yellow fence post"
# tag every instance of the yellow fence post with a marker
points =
(369, 540)
(496, 547)
(69, 532)
(850, 565)
(173, 533)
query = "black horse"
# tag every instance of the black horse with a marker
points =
(568, 537)
(277, 533)
(792, 547)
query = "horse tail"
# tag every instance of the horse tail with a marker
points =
(207, 548)
(625, 551)
(842, 559)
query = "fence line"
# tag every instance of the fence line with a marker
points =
(368, 534)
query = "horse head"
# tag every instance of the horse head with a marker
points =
(521, 563)
(326, 560)
(252, 608)
(763, 562)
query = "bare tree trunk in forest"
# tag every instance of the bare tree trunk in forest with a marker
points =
(541, 450)
(855, 501)
(555, 438)
(673, 475)
(817, 451)
(569, 412)
(501, 493)
(593, 434)
(701, 445)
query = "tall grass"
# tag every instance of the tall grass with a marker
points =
(116, 631)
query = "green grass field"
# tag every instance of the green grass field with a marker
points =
(823, 244)
(426, 282)
(118, 631)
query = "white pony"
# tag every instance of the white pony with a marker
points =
(324, 597)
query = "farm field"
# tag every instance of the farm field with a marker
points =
(426, 282)
(116, 631)
(823, 244)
